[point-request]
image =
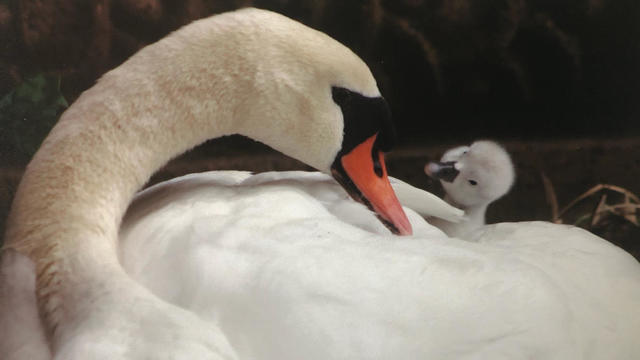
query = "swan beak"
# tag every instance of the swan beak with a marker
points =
(363, 174)
(445, 171)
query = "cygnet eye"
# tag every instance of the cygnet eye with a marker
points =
(473, 182)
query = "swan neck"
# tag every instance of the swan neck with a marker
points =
(69, 205)
(107, 145)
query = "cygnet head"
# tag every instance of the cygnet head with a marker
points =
(474, 175)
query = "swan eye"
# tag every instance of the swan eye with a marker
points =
(364, 117)
(377, 167)
(341, 95)
(473, 182)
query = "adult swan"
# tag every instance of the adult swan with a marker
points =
(274, 274)
(249, 72)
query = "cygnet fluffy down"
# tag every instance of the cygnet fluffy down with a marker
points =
(472, 177)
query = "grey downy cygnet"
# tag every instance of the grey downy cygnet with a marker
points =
(473, 177)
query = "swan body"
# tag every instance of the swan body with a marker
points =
(324, 280)
(227, 265)
(320, 285)
(473, 177)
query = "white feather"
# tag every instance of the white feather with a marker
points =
(425, 203)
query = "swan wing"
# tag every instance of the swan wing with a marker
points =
(313, 285)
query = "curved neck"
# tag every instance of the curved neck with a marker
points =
(161, 102)
(68, 207)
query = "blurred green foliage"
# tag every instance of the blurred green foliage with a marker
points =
(27, 113)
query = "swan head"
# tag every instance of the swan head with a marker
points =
(313, 99)
(474, 175)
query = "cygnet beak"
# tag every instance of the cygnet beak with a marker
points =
(363, 174)
(446, 171)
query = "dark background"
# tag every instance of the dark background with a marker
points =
(556, 81)
(450, 68)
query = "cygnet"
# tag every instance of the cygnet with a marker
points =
(472, 177)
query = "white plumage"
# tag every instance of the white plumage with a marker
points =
(272, 259)
(277, 266)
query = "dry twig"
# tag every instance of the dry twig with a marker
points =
(550, 194)
(628, 209)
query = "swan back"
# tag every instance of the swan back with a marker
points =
(321, 283)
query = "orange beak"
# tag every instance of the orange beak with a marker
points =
(363, 173)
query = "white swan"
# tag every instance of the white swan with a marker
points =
(473, 177)
(262, 266)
